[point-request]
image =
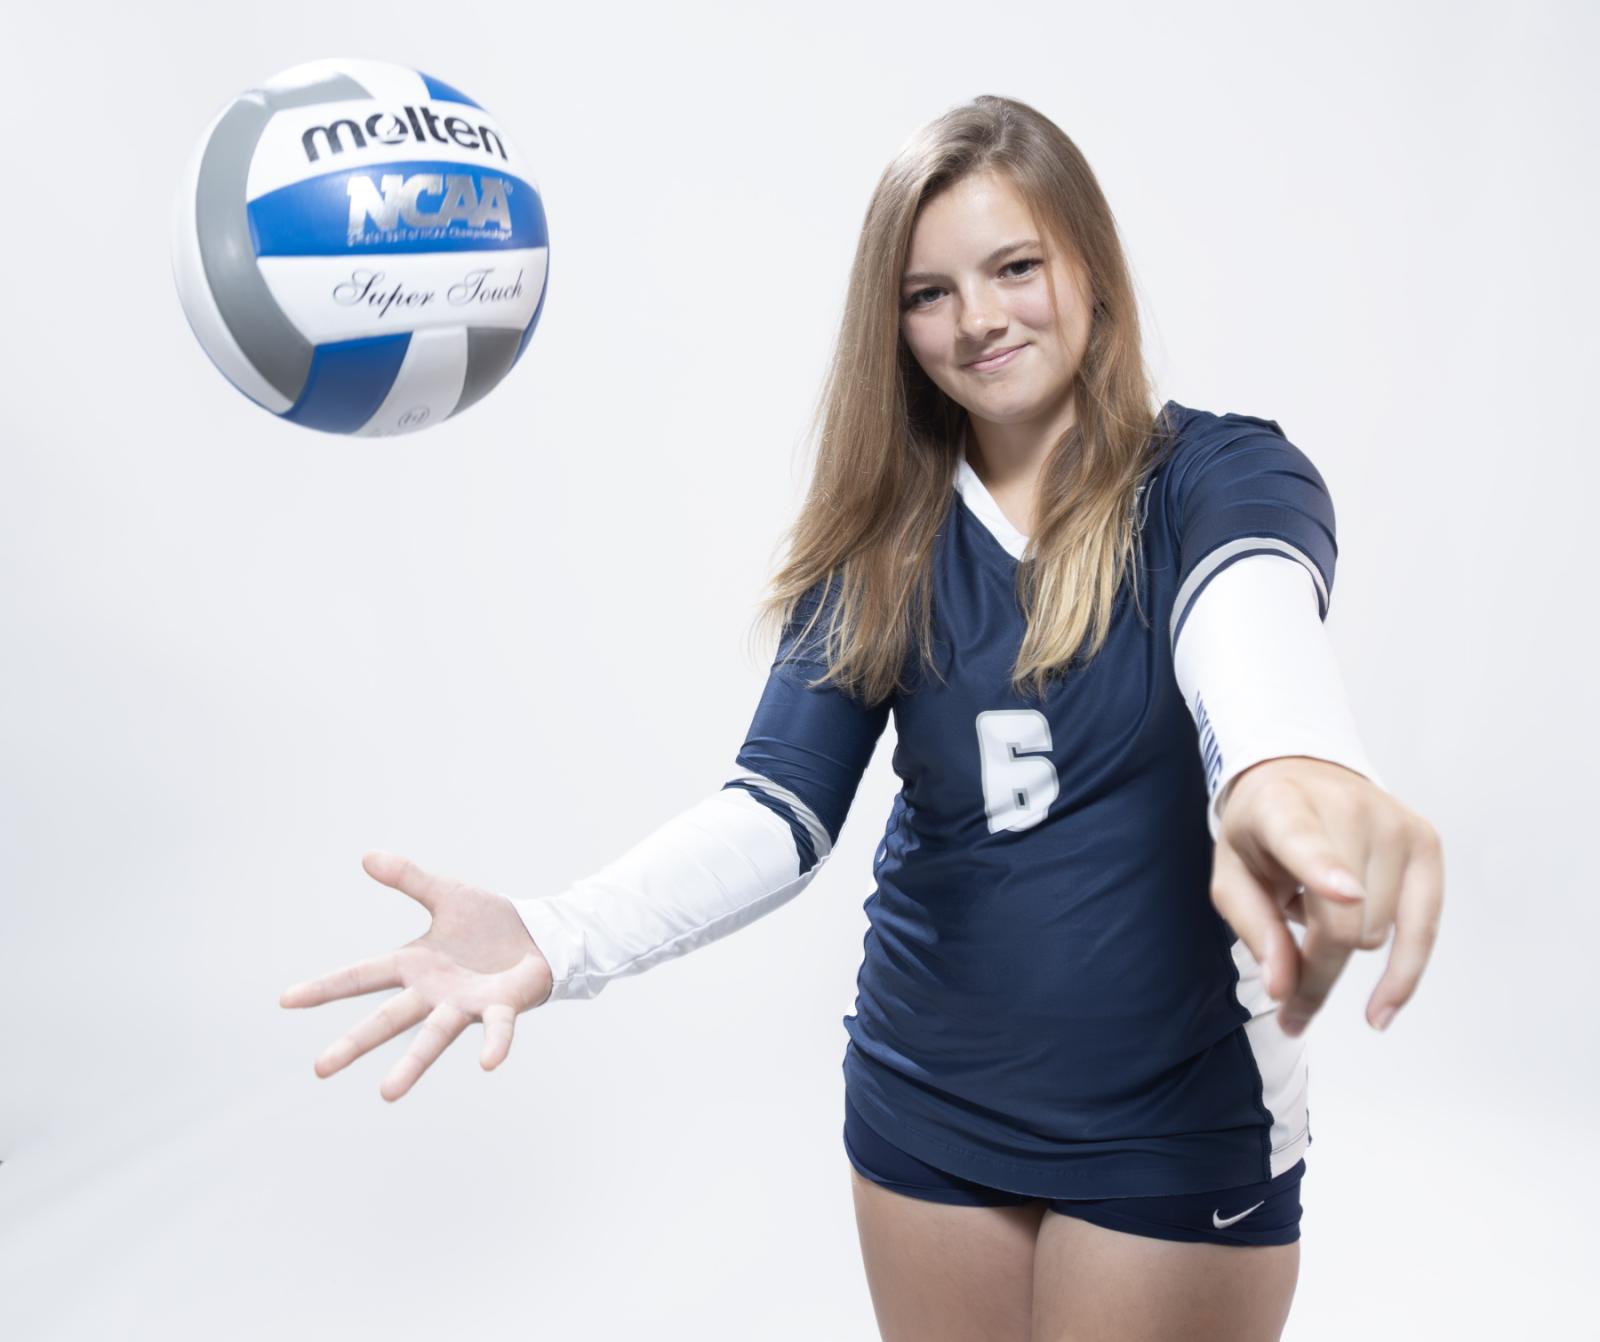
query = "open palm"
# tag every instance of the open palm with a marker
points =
(475, 962)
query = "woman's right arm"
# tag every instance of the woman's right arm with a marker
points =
(734, 856)
(721, 864)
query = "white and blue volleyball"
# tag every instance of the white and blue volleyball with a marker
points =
(359, 248)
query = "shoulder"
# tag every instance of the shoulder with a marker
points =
(1201, 433)
(1206, 451)
(804, 636)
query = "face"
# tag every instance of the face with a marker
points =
(962, 297)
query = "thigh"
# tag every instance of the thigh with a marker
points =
(946, 1272)
(1095, 1284)
(947, 1260)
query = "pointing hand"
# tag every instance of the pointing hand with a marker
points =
(1309, 840)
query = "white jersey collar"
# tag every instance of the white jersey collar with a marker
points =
(983, 506)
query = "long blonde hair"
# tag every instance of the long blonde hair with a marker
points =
(890, 439)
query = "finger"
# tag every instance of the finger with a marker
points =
(1390, 843)
(445, 1022)
(1323, 955)
(366, 976)
(395, 1016)
(1252, 912)
(401, 873)
(498, 1023)
(1300, 842)
(1416, 927)
(1337, 927)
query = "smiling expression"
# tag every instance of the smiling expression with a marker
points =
(975, 285)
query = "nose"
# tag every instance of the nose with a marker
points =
(981, 318)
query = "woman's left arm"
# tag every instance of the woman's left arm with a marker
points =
(1304, 828)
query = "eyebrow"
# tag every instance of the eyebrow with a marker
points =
(988, 261)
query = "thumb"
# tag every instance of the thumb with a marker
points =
(401, 873)
(1253, 913)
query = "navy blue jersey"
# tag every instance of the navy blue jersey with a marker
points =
(1048, 1002)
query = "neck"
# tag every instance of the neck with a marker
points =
(1009, 457)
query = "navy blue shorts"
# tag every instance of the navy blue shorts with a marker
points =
(1261, 1213)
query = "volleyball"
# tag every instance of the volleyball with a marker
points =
(360, 248)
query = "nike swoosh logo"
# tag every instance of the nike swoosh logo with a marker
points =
(1221, 1224)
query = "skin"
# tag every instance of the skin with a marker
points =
(476, 961)
(1018, 411)
(1301, 840)
(1293, 829)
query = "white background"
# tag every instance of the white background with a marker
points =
(238, 653)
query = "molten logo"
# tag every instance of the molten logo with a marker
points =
(418, 123)
(401, 203)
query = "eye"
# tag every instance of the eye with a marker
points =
(911, 300)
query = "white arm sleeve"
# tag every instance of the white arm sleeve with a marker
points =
(1258, 674)
(707, 872)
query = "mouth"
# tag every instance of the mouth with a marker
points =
(999, 359)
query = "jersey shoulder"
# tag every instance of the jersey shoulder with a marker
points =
(1234, 485)
(1194, 438)
(1208, 457)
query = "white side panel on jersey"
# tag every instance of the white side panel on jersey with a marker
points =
(426, 388)
(1280, 1058)
(195, 293)
(385, 82)
(280, 155)
(332, 298)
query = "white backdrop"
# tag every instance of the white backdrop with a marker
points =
(238, 653)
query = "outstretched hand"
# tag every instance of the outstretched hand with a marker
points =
(476, 961)
(1312, 841)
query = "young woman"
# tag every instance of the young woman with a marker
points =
(1076, 1073)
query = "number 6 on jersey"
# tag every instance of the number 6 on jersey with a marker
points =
(1017, 788)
